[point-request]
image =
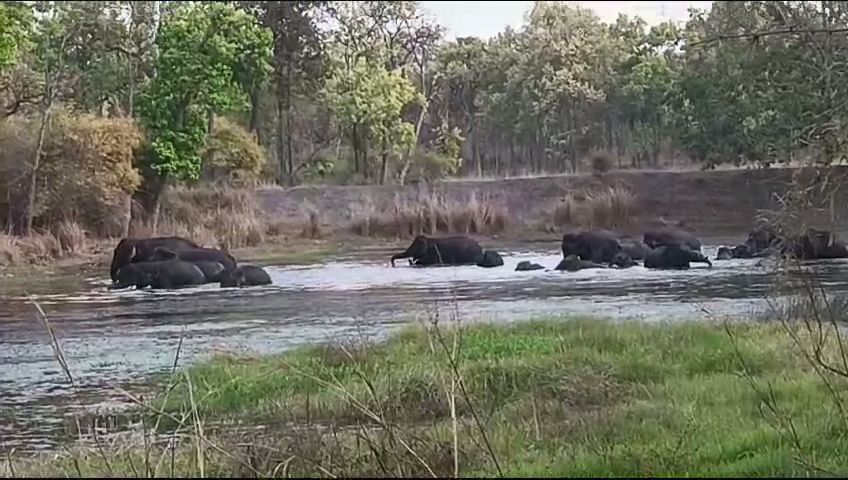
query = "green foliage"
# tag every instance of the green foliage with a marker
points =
(232, 153)
(16, 22)
(208, 54)
(372, 98)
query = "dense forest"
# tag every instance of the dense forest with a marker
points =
(104, 101)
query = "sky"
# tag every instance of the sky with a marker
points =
(486, 19)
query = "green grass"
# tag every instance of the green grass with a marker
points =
(553, 398)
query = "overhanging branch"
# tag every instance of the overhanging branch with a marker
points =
(767, 33)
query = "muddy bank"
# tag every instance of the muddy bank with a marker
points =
(723, 202)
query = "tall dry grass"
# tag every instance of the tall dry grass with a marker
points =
(431, 213)
(608, 207)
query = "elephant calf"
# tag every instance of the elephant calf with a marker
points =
(526, 266)
(673, 256)
(491, 259)
(572, 263)
(165, 274)
(245, 276)
(663, 237)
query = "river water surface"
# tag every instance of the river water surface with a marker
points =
(117, 338)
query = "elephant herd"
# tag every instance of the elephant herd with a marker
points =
(661, 248)
(175, 262)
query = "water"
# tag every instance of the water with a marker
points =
(115, 338)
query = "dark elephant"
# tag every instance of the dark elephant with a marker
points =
(599, 246)
(198, 254)
(674, 256)
(761, 239)
(724, 253)
(817, 244)
(131, 250)
(660, 237)
(622, 260)
(636, 249)
(211, 270)
(245, 276)
(527, 266)
(427, 251)
(491, 259)
(166, 274)
(572, 263)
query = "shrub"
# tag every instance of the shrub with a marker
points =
(10, 251)
(71, 237)
(85, 174)
(566, 212)
(232, 154)
(611, 207)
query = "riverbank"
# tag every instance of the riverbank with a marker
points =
(552, 397)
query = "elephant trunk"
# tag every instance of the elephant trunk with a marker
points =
(398, 256)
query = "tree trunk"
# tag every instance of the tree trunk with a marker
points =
(127, 220)
(158, 191)
(356, 148)
(254, 112)
(33, 177)
(289, 154)
(281, 145)
(384, 166)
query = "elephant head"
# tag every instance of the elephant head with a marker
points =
(417, 249)
(623, 260)
(571, 244)
(123, 255)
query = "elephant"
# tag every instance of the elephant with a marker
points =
(761, 239)
(660, 237)
(527, 266)
(724, 253)
(623, 260)
(817, 244)
(158, 274)
(674, 256)
(636, 249)
(428, 251)
(245, 276)
(131, 250)
(572, 263)
(491, 259)
(213, 271)
(196, 255)
(598, 246)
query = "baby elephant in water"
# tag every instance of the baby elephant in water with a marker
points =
(572, 263)
(674, 257)
(527, 266)
(245, 276)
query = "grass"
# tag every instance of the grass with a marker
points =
(552, 397)
(607, 207)
(431, 213)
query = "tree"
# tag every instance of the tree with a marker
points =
(208, 54)
(299, 64)
(16, 22)
(368, 101)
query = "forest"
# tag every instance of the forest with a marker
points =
(105, 105)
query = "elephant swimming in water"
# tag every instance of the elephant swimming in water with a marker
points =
(598, 246)
(527, 266)
(162, 274)
(245, 276)
(572, 263)
(817, 244)
(674, 256)
(130, 250)
(196, 255)
(490, 259)
(660, 237)
(457, 250)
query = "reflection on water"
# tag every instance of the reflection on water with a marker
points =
(112, 338)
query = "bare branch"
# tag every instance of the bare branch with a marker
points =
(756, 35)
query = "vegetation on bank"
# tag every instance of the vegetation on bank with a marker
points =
(554, 397)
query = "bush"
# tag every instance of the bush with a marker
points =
(232, 155)
(428, 166)
(85, 174)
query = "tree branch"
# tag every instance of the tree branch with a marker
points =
(756, 35)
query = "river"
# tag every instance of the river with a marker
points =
(117, 338)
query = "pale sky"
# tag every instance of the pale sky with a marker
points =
(486, 19)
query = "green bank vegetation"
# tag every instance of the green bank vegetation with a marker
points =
(552, 397)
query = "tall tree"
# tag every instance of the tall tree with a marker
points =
(207, 54)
